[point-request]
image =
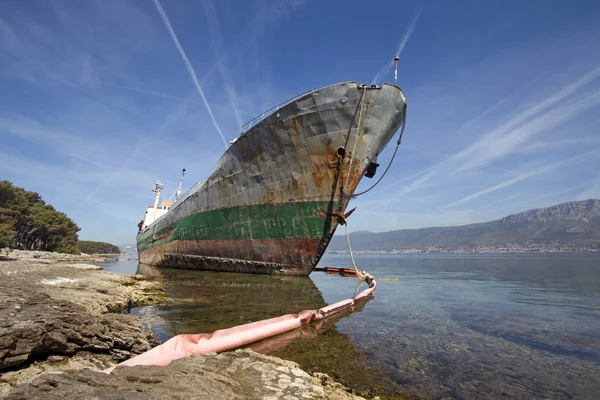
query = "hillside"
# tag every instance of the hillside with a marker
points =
(575, 223)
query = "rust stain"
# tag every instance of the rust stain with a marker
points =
(250, 176)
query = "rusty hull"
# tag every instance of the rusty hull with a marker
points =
(271, 203)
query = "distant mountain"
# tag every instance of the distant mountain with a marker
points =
(574, 224)
(584, 211)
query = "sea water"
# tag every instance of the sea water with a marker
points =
(439, 326)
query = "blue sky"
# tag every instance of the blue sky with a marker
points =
(98, 99)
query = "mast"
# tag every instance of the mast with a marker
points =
(178, 191)
(396, 58)
(157, 188)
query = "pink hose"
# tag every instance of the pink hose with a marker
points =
(186, 345)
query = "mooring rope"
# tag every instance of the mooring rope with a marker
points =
(350, 249)
(348, 196)
(362, 100)
(363, 276)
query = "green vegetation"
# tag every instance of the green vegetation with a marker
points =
(28, 223)
(89, 247)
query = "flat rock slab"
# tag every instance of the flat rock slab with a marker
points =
(56, 334)
(83, 266)
(243, 374)
(44, 255)
(48, 310)
(34, 326)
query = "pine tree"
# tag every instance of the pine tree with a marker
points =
(28, 223)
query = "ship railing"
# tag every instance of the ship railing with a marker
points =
(186, 195)
(271, 110)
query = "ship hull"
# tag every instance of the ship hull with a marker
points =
(272, 203)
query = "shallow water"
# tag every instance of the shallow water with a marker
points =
(454, 326)
(119, 267)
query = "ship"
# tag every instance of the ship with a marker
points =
(276, 196)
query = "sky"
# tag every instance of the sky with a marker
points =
(100, 98)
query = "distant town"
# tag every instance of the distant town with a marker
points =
(548, 247)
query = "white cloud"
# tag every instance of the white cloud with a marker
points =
(581, 157)
(190, 68)
(504, 140)
(387, 67)
(98, 109)
(217, 41)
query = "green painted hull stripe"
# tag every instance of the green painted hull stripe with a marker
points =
(262, 221)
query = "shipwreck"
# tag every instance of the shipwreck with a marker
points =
(278, 193)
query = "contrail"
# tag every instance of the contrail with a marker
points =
(388, 65)
(189, 67)
(282, 8)
(215, 30)
(544, 169)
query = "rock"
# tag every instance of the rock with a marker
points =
(55, 310)
(47, 327)
(243, 374)
(83, 266)
(45, 257)
(60, 334)
(54, 359)
(98, 291)
(11, 379)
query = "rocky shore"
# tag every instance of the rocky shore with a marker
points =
(46, 257)
(60, 326)
(57, 315)
(243, 374)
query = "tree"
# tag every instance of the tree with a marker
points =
(90, 247)
(28, 223)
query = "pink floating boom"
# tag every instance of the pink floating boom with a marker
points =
(186, 345)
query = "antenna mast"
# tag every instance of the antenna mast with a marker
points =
(178, 191)
(157, 188)
(396, 58)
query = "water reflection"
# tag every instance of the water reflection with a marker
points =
(485, 326)
(447, 326)
(208, 301)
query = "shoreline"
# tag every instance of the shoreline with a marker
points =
(61, 324)
(58, 313)
(47, 257)
(440, 251)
